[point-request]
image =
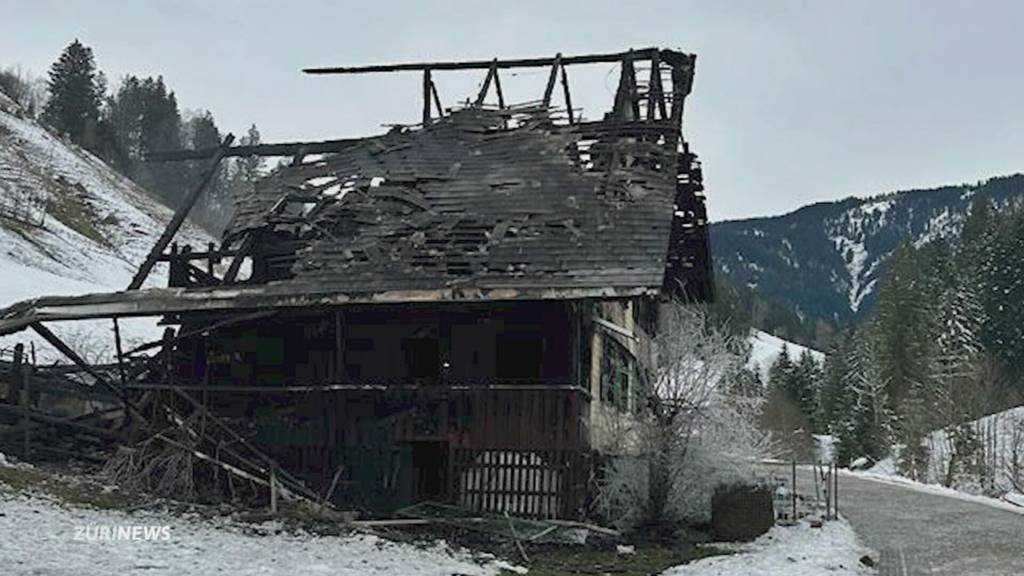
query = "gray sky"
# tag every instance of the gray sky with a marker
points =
(793, 102)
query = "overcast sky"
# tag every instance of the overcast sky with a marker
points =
(793, 102)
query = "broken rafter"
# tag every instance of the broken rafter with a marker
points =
(81, 363)
(555, 65)
(642, 54)
(279, 149)
(568, 96)
(437, 99)
(491, 73)
(179, 217)
(497, 88)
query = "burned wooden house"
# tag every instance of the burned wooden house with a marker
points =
(448, 311)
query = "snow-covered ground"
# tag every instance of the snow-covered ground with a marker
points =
(793, 551)
(97, 226)
(765, 349)
(42, 537)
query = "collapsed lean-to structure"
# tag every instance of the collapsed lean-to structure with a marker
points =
(448, 311)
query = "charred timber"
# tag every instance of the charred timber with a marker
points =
(671, 57)
(279, 149)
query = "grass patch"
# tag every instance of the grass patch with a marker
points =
(68, 204)
(66, 490)
(648, 560)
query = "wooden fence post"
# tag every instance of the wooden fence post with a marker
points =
(794, 490)
(19, 378)
(835, 492)
(273, 490)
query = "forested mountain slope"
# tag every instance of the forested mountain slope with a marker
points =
(825, 261)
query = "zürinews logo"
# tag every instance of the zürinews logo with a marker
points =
(101, 533)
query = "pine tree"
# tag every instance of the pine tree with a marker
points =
(144, 118)
(804, 386)
(1000, 270)
(76, 92)
(780, 373)
(832, 387)
(866, 420)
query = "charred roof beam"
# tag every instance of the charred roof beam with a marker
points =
(671, 57)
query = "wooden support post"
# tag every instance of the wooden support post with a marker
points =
(236, 263)
(794, 490)
(426, 96)
(437, 99)
(827, 477)
(632, 94)
(655, 90)
(273, 490)
(120, 353)
(20, 375)
(835, 491)
(568, 96)
(14, 384)
(551, 79)
(210, 262)
(678, 94)
(179, 216)
(491, 73)
(497, 89)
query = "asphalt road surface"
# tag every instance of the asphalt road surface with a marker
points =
(917, 533)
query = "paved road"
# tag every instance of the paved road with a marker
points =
(918, 533)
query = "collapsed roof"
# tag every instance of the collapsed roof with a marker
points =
(481, 203)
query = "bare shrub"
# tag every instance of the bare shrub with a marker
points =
(695, 434)
(26, 90)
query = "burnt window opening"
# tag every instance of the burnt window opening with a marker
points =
(519, 357)
(617, 368)
(422, 358)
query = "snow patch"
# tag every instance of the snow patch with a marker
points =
(795, 551)
(40, 538)
(765, 349)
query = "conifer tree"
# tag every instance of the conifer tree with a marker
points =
(804, 386)
(76, 91)
(866, 420)
(832, 386)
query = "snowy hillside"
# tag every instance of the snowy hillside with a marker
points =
(68, 223)
(1001, 439)
(825, 261)
(765, 349)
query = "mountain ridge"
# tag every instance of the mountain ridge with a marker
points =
(825, 260)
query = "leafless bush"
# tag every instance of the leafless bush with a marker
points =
(695, 434)
(28, 91)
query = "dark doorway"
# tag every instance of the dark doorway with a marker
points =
(430, 465)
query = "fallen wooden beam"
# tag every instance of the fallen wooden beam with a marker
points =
(50, 420)
(179, 217)
(68, 352)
